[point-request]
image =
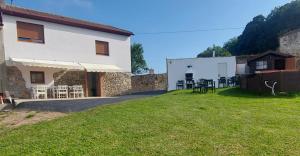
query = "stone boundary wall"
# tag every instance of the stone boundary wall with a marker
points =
(149, 82)
(115, 84)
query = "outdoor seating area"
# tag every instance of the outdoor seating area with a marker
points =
(200, 86)
(224, 82)
(57, 92)
(204, 85)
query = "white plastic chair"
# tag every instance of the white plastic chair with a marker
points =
(76, 91)
(62, 91)
(39, 90)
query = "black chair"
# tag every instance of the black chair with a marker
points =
(189, 84)
(231, 81)
(180, 84)
(210, 84)
(223, 81)
(199, 86)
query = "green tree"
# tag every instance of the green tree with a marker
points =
(219, 52)
(138, 63)
(231, 45)
(262, 33)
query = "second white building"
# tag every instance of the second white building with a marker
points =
(200, 68)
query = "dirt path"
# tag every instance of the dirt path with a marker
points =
(18, 118)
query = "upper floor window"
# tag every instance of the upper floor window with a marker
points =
(261, 65)
(37, 77)
(29, 32)
(102, 48)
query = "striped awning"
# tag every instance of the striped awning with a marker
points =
(100, 67)
(46, 63)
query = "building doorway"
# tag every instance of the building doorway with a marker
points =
(93, 84)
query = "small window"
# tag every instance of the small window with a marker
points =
(260, 65)
(37, 77)
(102, 48)
(28, 32)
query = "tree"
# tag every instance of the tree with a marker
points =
(262, 33)
(138, 63)
(231, 45)
(219, 52)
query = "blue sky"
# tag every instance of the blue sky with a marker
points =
(147, 16)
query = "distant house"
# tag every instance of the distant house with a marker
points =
(39, 48)
(199, 68)
(271, 61)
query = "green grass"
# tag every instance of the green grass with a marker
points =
(230, 122)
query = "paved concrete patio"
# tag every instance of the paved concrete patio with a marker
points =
(79, 104)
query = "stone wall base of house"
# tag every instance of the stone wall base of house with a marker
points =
(149, 82)
(16, 84)
(114, 84)
(69, 78)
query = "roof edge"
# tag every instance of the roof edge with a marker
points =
(270, 52)
(42, 16)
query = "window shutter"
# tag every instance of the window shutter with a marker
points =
(102, 48)
(30, 32)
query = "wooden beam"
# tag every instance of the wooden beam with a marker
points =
(86, 84)
(101, 84)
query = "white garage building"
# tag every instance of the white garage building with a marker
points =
(201, 68)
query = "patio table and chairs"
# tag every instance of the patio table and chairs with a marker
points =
(59, 91)
(203, 85)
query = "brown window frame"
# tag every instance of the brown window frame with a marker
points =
(37, 72)
(102, 53)
(28, 39)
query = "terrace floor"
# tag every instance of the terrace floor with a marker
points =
(75, 105)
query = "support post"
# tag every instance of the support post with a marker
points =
(101, 84)
(86, 90)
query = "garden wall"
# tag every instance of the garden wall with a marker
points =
(149, 82)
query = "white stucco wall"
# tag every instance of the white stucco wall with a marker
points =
(206, 68)
(66, 43)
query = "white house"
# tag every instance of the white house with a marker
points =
(41, 48)
(201, 68)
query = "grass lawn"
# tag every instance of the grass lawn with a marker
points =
(229, 122)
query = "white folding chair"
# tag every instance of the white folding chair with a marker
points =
(76, 91)
(39, 90)
(62, 91)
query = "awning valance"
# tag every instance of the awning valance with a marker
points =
(46, 63)
(100, 67)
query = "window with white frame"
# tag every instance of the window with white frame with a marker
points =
(261, 65)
